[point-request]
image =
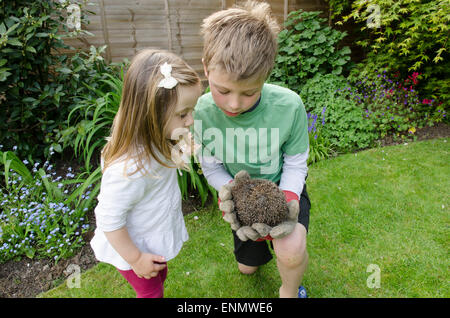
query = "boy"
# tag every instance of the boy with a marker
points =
(245, 124)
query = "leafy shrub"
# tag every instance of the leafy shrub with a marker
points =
(94, 77)
(89, 122)
(411, 36)
(394, 105)
(195, 182)
(38, 83)
(307, 47)
(338, 7)
(42, 215)
(344, 126)
(319, 146)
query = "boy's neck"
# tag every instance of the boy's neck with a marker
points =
(253, 107)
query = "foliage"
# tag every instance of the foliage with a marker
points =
(42, 215)
(344, 125)
(307, 47)
(408, 36)
(95, 76)
(40, 76)
(193, 181)
(319, 147)
(338, 7)
(90, 121)
(394, 105)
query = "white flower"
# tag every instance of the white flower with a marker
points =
(183, 150)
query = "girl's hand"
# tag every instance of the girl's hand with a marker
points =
(147, 265)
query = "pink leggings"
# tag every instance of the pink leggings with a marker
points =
(146, 288)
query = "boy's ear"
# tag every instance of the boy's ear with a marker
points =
(205, 70)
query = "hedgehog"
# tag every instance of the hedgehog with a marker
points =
(256, 208)
(259, 201)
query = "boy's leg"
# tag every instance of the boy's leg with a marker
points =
(250, 254)
(292, 260)
(291, 253)
(247, 270)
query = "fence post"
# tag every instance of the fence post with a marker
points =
(169, 29)
(286, 10)
(105, 30)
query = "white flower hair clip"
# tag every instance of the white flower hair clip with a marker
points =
(168, 81)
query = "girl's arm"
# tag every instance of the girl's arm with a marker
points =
(143, 264)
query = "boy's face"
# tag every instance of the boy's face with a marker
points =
(233, 97)
(182, 118)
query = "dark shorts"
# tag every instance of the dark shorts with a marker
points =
(252, 253)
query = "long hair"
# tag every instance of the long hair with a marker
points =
(139, 128)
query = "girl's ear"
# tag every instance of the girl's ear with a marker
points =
(205, 70)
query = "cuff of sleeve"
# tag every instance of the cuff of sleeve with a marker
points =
(290, 196)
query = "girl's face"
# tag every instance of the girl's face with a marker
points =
(182, 117)
(231, 96)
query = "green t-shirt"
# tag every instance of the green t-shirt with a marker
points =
(254, 141)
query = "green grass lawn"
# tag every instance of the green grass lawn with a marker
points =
(385, 206)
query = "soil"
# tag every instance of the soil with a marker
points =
(439, 130)
(29, 277)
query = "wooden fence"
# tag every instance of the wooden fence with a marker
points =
(126, 26)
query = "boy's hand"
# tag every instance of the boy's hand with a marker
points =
(285, 228)
(148, 265)
(226, 205)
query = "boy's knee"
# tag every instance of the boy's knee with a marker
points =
(293, 259)
(247, 270)
(292, 251)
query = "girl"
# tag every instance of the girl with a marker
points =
(140, 224)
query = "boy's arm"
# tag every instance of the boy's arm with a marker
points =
(294, 172)
(214, 172)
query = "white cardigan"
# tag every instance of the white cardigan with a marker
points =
(148, 205)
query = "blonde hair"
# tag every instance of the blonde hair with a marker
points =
(140, 125)
(242, 41)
